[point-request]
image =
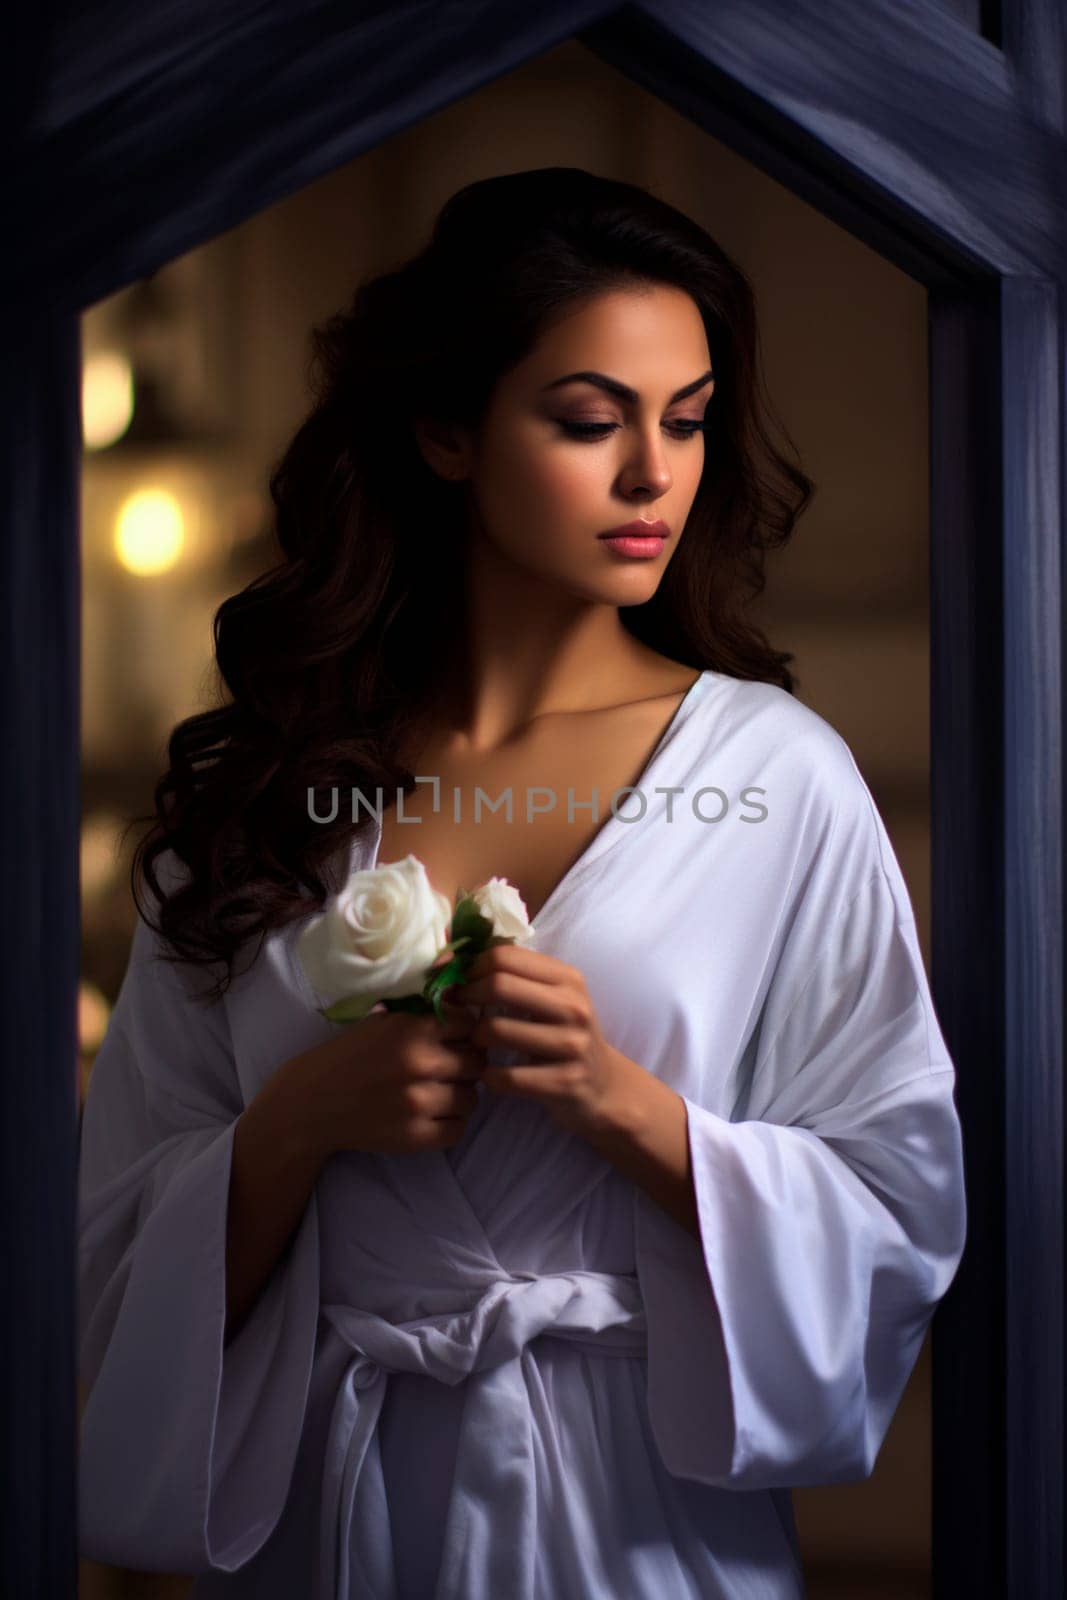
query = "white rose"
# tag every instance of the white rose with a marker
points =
(378, 935)
(502, 903)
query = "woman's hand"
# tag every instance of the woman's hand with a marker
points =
(580, 1079)
(394, 1081)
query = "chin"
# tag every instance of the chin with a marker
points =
(627, 589)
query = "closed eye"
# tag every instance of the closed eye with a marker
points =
(598, 430)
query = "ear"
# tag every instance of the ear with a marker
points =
(445, 447)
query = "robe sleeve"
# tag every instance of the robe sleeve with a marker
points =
(186, 1451)
(832, 1215)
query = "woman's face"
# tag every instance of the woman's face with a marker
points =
(557, 463)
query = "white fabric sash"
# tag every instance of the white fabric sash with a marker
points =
(489, 1543)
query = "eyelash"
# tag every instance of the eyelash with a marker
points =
(598, 430)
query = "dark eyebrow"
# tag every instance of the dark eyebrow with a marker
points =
(622, 390)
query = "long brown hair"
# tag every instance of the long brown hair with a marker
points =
(327, 657)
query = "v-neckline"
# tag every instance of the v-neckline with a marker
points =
(611, 828)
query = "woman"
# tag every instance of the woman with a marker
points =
(557, 1299)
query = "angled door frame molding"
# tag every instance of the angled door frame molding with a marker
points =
(937, 148)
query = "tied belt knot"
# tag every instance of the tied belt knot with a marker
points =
(599, 1311)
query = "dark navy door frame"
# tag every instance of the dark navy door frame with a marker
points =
(939, 145)
(946, 154)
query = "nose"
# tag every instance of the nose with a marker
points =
(646, 465)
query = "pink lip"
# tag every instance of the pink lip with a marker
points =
(638, 529)
(627, 544)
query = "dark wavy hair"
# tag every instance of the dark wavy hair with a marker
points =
(328, 656)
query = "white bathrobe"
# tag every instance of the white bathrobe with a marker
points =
(502, 1371)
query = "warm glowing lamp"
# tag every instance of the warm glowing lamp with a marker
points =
(107, 398)
(149, 532)
(93, 1015)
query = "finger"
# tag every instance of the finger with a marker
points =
(533, 1079)
(450, 1080)
(456, 1100)
(544, 1040)
(465, 1061)
(458, 1033)
(459, 1053)
(543, 1002)
(521, 959)
(458, 1025)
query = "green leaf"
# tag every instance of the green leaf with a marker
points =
(454, 971)
(437, 998)
(354, 1009)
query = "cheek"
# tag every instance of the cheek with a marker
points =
(533, 477)
(695, 468)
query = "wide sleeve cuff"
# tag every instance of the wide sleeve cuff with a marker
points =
(779, 1343)
(187, 1451)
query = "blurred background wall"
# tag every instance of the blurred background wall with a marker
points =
(196, 378)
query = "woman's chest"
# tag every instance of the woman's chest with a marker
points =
(525, 812)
